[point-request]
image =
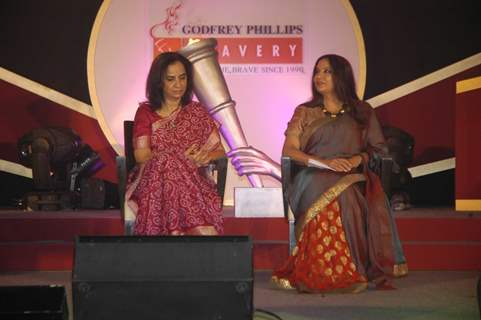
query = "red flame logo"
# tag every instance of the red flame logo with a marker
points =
(171, 20)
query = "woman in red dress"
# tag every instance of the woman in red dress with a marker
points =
(173, 137)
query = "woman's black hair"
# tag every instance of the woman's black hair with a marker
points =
(154, 90)
(344, 86)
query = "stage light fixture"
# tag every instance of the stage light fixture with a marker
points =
(58, 158)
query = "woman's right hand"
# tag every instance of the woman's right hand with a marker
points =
(199, 156)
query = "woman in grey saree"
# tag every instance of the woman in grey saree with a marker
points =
(346, 236)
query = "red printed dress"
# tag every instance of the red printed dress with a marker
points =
(167, 193)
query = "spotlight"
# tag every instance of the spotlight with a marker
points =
(58, 158)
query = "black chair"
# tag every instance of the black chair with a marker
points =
(381, 165)
(479, 295)
(127, 162)
(401, 148)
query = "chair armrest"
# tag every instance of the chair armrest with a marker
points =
(122, 185)
(128, 144)
(387, 167)
(122, 178)
(286, 172)
(383, 165)
(221, 165)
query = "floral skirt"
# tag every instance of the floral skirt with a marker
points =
(321, 261)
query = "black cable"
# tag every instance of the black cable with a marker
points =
(270, 314)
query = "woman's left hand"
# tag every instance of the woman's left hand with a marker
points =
(338, 164)
(355, 161)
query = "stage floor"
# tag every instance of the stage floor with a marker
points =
(427, 295)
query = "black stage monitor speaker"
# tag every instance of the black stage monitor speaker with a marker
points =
(192, 277)
(33, 303)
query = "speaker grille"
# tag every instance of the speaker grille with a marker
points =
(163, 278)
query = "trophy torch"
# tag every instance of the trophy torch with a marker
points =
(211, 90)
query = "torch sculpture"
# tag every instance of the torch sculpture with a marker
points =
(211, 89)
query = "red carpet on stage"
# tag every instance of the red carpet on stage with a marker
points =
(433, 238)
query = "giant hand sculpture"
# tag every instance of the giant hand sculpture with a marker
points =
(211, 90)
(248, 160)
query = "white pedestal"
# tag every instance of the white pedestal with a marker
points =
(258, 202)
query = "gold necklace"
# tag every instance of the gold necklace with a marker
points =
(172, 121)
(333, 115)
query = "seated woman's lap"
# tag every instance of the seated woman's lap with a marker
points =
(312, 184)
